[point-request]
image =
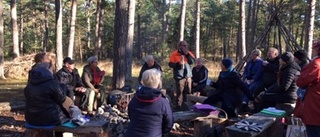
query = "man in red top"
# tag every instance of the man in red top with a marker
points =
(307, 107)
(180, 61)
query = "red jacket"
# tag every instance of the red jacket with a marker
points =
(309, 109)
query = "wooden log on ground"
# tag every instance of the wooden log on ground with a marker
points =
(201, 126)
(90, 129)
(196, 99)
(185, 115)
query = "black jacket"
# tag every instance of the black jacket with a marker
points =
(150, 114)
(44, 95)
(230, 85)
(70, 79)
(146, 67)
(270, 71)
(200, 75)
(286, 84)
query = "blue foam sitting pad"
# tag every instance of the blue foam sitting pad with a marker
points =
(69, 124)
(27, 125)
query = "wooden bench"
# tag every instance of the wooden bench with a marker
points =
(201, 122)
(90, 129)
(271, 127)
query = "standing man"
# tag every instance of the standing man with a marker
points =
(69, 76)
(307, 107)
(180, 61)
(199, 77)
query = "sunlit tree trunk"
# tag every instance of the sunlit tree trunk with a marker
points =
(15, 32)
(197, 29)
(118, 79)
(129, 44)
(310, 27)
(164, 22)
(88, 3)
(59, 52)
(1, 43)
(182, 18)
(21, 31)
(72, 28)
(97, 40)
(243, 27)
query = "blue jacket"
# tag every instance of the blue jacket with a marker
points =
(150, 114)
(253, 70)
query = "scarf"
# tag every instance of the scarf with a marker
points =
(226, 73)
(96, 76)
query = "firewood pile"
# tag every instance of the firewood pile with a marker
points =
(118, 120)
(20, 66)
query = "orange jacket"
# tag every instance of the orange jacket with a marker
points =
(179, 71)
(176, 56)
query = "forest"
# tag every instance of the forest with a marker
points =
(125, 31)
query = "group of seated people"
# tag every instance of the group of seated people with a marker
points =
(50, 96)
(264, 82)
(87, 87)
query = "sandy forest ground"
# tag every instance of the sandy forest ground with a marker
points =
(11, 91)
(12, 122)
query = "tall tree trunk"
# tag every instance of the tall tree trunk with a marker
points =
(310, 27)
(97, 29)
(72, 28)
(182, 18)
(129, 44)
(59, 52)
(1, 43)
(243, 27)
(254, 22)
(21, 31)
(197, 29)
(164, 22)
(118, 78)
(139, 43)
(224, 46)
(46, 39)
(238, 51)
(15, 32)
(101, 30)
(88, 22)
(34, 27)
(248, 22)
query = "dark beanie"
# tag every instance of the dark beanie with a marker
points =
(227, 62)
(301, 55)
(287, 57)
